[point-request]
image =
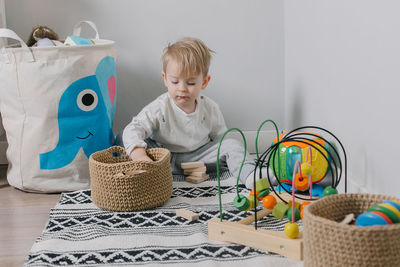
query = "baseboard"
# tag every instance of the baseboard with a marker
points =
(3, 149)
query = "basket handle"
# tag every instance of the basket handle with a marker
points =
(78, 27)
(7, 33)
(116, 149)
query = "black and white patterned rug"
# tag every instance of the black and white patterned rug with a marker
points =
(79, 233)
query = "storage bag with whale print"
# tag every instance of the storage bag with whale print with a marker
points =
(57, 105)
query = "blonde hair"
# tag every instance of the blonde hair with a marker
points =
(191, 54)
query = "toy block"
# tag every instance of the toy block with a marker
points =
(190, 165)
(187, 214)
(198, 169)
(197, 180)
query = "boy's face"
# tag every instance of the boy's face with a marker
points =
(183, 89)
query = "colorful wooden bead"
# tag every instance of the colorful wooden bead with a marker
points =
(291, 230)
(252, 192)
(262, 194)
(370, 219)
(301, 182)
(269, 202)
(329, 190)
(296, 214)
(304, 204)
(296, 204)
(279, 210)
(393, 217)
(241, 202)
(251, 202)
(262, 184)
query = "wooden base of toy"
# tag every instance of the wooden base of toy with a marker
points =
(271, 241)
(242, 233)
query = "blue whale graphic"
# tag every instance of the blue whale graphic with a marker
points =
(85, 114)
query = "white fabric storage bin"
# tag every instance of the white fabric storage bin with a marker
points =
(57, 105)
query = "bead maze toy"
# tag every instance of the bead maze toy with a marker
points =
(299, 160)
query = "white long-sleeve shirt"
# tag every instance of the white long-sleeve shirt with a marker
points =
(167, 124)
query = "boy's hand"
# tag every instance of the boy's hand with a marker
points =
(139, 153)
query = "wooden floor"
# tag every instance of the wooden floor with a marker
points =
(22, 219)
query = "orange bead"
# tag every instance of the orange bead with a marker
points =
(304, 204)
(252, 192)
(269, 202)
(301, 214)
(301, 183)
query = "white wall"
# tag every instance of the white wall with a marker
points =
(342, 62)
(247, 69)
(329, 63)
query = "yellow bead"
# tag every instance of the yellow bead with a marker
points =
(251, 202)
(291, 230)
(296, 204)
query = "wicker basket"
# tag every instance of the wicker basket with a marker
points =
(120, 184)
(329, 243)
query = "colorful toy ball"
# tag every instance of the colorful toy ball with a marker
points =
(291, 230)
(291, 151)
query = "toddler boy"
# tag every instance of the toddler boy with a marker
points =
(183, 121)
